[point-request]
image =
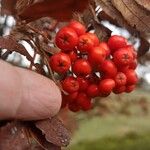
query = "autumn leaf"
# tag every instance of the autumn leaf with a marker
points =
(12, 45)
(144, 3)
(8, 7)
(54, 131)
(58, 9)
(130, 15)
(89, 17)
(134, 15)
(13, 137)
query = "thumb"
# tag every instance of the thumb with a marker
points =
(26, 95)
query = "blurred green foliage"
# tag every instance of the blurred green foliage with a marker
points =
(123, 124)
(129, 142)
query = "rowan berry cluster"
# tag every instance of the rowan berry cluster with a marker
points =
(92, 68)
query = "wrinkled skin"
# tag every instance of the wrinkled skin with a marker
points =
(26, 95)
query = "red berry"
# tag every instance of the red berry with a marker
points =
(106, 86)
(132, 50)
(84, 101)
(85, 43)
(72, 96)
(105, 46)
(93, 78)
(120, 79)
(70, 84)
(119, 89)
(74, 107)
(83, 83)
(73, 55)
(97, 55)
(94, 38)
(66, 39)
(131, 77)
(108, 69)
(92, 90)
(130, 88)
(81, 67)
(78, 27)
(122, 57)
(122, 68)
(60, 62)
(116, 42)
(133, 64)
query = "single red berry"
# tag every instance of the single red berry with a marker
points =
(131, 77)
(73, 55)
(122, 57)
(84, 101)
(122, 68)
(120, 79)
(116, 42)
(70, 84)
(72, 96)
(60, 62)
(92, 90)
(105, 46)
(119, 89)
(86, 105)
(83, 83)
(97, 55)
(106, 86)
(85, 43)
(94, 38)
(130, 88)
(74, 107)
(81, 67)
(132, 50)
(133, 64)
(66, 39)
(108, 69)
(78, 27)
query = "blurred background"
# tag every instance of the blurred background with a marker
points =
(118, 122)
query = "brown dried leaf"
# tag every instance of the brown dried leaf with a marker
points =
(144, 47)
(22, 4)
(12, 137)
(8, 7)
(40, 139)
(89, 17)
(54, 131)
(133, 14)
(144, 3)
(102, 32)
(47, 8)
(12, 45)
(112, 14)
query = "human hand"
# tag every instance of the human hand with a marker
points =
(26, 95)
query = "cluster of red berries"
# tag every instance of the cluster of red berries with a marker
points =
(91, 68)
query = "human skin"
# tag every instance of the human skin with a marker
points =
(26, 95)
